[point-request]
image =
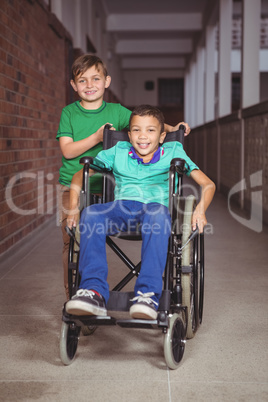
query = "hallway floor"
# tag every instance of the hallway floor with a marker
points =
(226, 361)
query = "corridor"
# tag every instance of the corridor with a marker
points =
(226, 361)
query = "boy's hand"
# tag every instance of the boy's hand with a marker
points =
(73, 219)
(187, 128)
(199, 219)
(99, 132)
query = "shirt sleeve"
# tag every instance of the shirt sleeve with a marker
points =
(124, 115)
(189, 164)
(105, 158)
(65, 128)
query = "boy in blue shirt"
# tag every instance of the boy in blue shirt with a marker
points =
(141, 171)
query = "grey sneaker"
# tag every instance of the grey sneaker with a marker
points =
(86, 302)
(145, 307)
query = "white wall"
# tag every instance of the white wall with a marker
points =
(134, 92)
(83, 18)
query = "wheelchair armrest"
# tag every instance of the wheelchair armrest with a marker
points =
(86, 160)
(178, 165)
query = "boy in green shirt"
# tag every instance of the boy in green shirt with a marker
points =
(80, 131)
(141, 171)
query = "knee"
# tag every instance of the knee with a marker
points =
(90, 215)
(88, 220)
(157, 223)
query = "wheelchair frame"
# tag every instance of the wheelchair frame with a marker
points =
(180, 309)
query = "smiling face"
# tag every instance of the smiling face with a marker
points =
(90, 86)
(145, 136)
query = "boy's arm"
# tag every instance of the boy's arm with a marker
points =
(169, 129)
(208, 189)
(71, 149)
(76, 185)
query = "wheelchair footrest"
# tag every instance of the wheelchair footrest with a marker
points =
(149, 324)
(88, 320)
(121, 301)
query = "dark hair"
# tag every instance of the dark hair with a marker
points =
(83, 63)
(147, 110)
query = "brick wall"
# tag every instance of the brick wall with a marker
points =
(32, 94)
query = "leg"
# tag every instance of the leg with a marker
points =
(93, 266)
(96, 222)
(63, 205)
(156, 225)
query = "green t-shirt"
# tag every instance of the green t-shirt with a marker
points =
(79, 123)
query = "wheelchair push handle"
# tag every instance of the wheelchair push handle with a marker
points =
(107, 126)
(181, 130)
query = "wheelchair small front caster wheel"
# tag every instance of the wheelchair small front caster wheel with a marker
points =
(88, 329)
(174, 341)
(69, 337)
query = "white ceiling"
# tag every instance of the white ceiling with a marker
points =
(156, 33)
(165, 33)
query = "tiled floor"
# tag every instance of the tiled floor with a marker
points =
(226, 361)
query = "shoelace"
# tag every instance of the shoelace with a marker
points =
(84, 292)
(144, 297)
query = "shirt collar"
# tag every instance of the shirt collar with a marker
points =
(158, 153)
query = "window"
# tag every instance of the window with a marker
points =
(170, 92)
(236, 92)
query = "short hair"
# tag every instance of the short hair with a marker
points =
(86, 61)
(147, 110)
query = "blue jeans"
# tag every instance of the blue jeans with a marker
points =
(99, 220)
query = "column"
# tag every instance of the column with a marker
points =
(187, 100)
(225, 48)
(193, 94)
(251, 53)
(210, 74)
(56, 8)
(200, 67)
(77, 25)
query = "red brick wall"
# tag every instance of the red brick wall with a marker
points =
(32, 95)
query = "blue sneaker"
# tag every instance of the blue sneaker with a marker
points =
(145, 307)
(86, 302)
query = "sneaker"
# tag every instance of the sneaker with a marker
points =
(86, 302)
(145, 307)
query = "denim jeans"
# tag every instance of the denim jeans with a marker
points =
(99, 220)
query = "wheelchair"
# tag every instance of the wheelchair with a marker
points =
(180, 309)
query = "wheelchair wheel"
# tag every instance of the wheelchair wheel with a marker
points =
(69, 337)
(174, 341)
(193, 282)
